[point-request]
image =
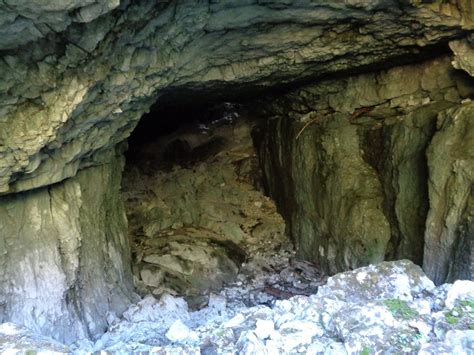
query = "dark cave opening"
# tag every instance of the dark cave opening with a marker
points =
(188, 105)
(164, 119)
(182, 134)
(198, 218)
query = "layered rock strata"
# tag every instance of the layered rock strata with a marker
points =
(75, 83)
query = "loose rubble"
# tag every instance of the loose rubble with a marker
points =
(198, 220)
(356, 312)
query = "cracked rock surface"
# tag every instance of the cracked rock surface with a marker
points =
(396, 308)
(197, 220)
(376, 166)
(369, 164)
(77, 75)
(64, 255)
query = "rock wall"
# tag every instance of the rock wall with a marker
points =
(450, 222)
(374, 166)
(64, 255)
(78, 75)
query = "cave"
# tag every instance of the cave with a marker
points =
(251, 177)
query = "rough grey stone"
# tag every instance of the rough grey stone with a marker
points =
(77, 89)
(77, 76)
(449, 236)
(195, 215)
(15, 339)
(64, 255)
(377, 322)
(345, 161)
(464, 55)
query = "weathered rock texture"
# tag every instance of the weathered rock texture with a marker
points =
(75, 89)
(391, 307)
(450, 222)
(76, 76)
(463, 54)
(192, 225)
(346, 162)
(64, 255)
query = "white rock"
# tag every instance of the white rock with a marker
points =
(403, 288)
(361, 276)
(461, 341)
(180, 333)
(10, 329)
(284, 305)
(152, 278)
(335, 349)
(422, 306)
(166, 310)
(264, 328)
(317, 346)
(326, 321)
(422, 327)
(461, 290)
(249, 343)
(306, 328)
(111, 318)
(234, 322)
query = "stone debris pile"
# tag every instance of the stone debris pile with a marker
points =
(198, 221)
(391, 307)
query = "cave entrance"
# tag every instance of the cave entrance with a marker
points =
(199, 222)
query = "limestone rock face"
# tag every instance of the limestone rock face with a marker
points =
(450, 222)
(77, 75)
(64, 255)
(346, 162)
(464, 55)
(24, 21)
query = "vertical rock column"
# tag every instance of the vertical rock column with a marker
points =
(449, 236)
(64, 255)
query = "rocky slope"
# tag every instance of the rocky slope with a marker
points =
(385, 308)
(196, 218)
